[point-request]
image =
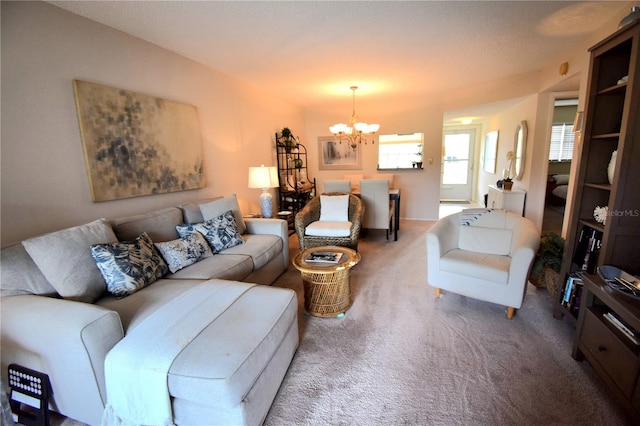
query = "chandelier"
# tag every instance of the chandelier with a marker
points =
(355, 132)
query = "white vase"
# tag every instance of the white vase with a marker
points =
(612, 166)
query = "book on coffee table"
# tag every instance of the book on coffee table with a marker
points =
(323, 257)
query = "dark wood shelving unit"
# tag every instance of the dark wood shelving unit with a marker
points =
(611, 123)
(296, 186)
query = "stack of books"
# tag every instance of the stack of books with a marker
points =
(572, 293)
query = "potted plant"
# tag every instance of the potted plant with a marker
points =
(418, 162)
(545, 272)
(507, 184)
(287, 139)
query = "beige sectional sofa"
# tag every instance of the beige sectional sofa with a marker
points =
(242, 338)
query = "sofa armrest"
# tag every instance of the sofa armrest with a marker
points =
(68, 341)
(278, 227)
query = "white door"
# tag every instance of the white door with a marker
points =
(457, 165)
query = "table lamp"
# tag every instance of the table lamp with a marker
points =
(265, 178)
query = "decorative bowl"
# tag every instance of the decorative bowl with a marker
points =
(620, 281)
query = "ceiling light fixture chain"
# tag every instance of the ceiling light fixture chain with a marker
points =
(355, 132)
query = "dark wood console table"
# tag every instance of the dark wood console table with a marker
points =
(615, 357)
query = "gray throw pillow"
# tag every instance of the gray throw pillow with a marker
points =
(64, 257)
(128, 266)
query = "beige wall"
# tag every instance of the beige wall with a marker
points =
(44, 181)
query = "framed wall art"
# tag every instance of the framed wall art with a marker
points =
(490, 151)
(338, 156)
(136, 144)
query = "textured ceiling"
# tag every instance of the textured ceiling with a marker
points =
(311, 52)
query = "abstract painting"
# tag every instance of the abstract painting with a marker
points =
(136, 144)
(338, 156)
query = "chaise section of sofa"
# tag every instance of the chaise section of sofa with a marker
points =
(70, 340)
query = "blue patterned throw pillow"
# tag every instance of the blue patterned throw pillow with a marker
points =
(220, 232)
(128, 266)
(185, 251)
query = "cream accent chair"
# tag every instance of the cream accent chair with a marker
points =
(380, 210)
(325, 221)
(483, 254)
(337, 186)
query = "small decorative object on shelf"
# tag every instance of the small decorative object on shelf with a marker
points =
(600, 214)
(507, 184)
(287, 140)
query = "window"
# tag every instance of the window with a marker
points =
(400, 151)
(562, 138)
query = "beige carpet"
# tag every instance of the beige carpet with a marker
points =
(399, 356)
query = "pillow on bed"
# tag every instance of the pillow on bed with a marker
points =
(561, 179)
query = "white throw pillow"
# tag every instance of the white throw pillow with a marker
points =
(65, 259)
(334, 208)
(561, 179)
(217, 208)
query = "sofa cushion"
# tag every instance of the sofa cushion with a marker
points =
(160, 225)
(215, 208)
(241, 348)
(334, 208)
(261, 248)
(20, 275)
(129, 265)
(224, 266)
(489, 267)
(485, 240)
(64, 257)
(184, 251)
(328, 229)
(220, 232)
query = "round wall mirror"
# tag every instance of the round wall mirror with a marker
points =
(520, 149)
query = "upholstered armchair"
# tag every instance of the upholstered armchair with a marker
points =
(337, 222)
(483, 254)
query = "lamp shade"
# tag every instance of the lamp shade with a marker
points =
(263, 177)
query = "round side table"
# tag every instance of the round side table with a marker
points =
(327, 292)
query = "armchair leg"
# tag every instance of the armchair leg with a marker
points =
(437, 293)
(510, 312)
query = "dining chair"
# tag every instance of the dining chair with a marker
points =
(337, 186)
(379, 209)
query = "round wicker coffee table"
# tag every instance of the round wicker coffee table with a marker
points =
(327, 292)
